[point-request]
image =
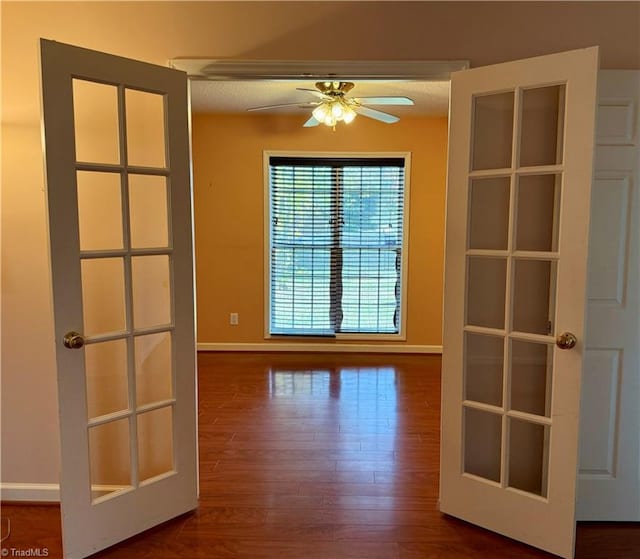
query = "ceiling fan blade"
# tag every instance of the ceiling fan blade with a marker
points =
(311, 122)
(377, 115)
(314, 92)
(299, 105)
(384, 100)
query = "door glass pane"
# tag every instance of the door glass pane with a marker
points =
(151, 295)
(103, 300)
(99, 210)
(106, 370)
(482, 442)
(486, 282)
(489, 213)
(148, 211)
(542, 126)
(533, 295)
(153, 368)
(145, 128)
(95, 114)
(531, 367)
(538, 209)
(155, 443)
(528, 456)
(483, 368)
(109, 458)
(492, 131)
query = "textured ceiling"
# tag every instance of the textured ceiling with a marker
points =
(431, 98)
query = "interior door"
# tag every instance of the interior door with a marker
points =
(519, 176)
(609, 474)
(119, 203)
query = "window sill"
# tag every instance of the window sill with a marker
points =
(339, 337)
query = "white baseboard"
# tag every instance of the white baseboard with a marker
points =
(35, 492)
(321, 348)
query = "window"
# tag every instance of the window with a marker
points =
(336, 250)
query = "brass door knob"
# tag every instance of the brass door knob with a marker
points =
(566, 340)
(73, 340)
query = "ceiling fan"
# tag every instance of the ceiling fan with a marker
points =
(334, 106)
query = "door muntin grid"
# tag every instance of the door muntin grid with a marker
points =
(514, 199)
(127, 266)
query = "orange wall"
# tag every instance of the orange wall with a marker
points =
(229, 213)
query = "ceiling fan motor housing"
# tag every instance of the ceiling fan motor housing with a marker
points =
(334, 88)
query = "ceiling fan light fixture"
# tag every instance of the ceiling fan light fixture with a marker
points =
(348, 115)
(330, 120)
(337, 110)
(321, 112)
(332, 111)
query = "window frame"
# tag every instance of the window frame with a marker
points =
(347, 336)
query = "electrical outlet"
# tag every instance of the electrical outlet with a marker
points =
(233, 319)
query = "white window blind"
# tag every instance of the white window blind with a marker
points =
(336, 236)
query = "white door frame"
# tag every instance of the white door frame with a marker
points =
(372, 71)
(252, 70)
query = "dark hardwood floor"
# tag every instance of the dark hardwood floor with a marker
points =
(318, 457)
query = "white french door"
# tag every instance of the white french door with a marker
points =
(518, 195)
(119, 202)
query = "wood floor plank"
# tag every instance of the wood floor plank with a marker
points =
(346, 471)
(595, 540)
(337, 502)
(260, 454)
(366, 465)
(366, 489)
(230, 548)
(295, 445)
(279, 475)
(209, 514)
(222, 487)
(277, 463)
(262, 500)
(273, 435)
(410, 475)
(263, 531)
(457, 550)
(375, 517)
